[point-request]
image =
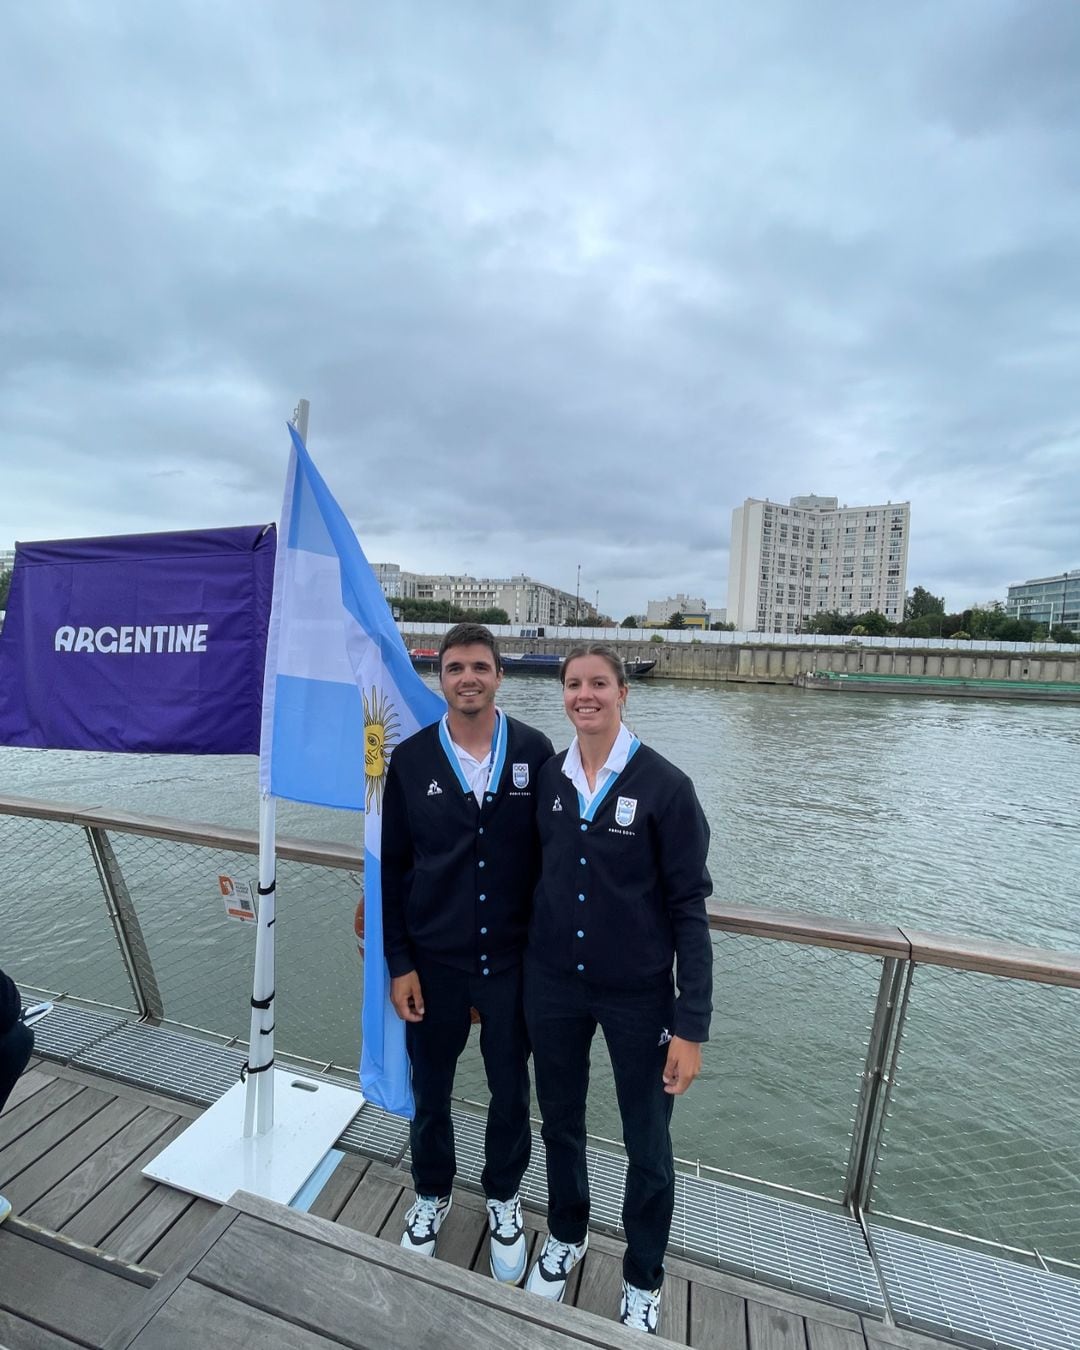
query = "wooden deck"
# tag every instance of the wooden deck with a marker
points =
(96, 1255)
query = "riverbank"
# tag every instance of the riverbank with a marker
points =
(784, 663)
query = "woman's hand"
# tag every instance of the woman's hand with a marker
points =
(683, 1065)
(407, 998)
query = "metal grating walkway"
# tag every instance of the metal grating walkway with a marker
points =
(775, 1241)
(68, 1031)
(932, 1286)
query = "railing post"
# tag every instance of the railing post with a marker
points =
(878, 1076)
(126, 926)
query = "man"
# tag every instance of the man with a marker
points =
(460, 859)
(16, 1043)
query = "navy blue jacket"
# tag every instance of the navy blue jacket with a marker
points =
(458, 877)
(10, 1003)
(621, 898)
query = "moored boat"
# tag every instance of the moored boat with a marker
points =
(954, 686)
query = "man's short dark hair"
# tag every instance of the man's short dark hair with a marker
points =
(469, 635)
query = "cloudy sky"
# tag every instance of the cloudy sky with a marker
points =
(564, 282)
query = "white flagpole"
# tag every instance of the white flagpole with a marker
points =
(290, 1121)
(259, 1098)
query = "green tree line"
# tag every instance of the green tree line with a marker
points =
(925, 616)
(441, 611)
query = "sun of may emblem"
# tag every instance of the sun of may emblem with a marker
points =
(381, 727)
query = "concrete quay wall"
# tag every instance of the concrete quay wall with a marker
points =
(778, 664)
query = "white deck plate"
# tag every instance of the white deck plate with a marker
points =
(212, 1158)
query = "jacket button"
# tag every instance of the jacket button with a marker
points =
(580, 897)
(480, 863)
(483, 932)
(580, 860)
(484, 958)
(486, 971)
(481, 830)
(581, 967)
(482, 898)
(584, 827)
(490, 799)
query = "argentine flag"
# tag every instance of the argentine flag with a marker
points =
(339, 693)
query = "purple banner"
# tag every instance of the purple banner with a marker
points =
(151, 642)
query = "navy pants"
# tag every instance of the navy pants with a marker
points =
(16, 1045)
(562, 1013)
(435, 1045)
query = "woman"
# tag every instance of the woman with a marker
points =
(621, 900)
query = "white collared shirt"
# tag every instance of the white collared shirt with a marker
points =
(614, 764)
(477, 771)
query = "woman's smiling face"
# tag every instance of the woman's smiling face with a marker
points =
(592, 696)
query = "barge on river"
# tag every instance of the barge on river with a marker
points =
(862, 682)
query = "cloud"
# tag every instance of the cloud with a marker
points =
(564, 284)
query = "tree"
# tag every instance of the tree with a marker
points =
(721, 628)
(829, 621)
(1059, 633)
(631, 621)
(676, 620)
(930, 625)
(920, 603)
(442, 611)
(873, 622)
(5, 587)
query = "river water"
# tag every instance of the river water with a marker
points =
(956, 816)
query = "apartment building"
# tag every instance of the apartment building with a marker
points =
(696, 613)
(525, 600)
(790, 562)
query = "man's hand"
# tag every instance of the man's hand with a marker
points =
(407, 999)
(683, 1065)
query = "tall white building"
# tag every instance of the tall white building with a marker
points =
(789, 562)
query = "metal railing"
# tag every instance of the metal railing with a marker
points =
(921, 1079)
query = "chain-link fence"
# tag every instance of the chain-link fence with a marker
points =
(980, 1138)
(981, 1135)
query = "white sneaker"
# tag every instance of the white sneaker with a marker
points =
(557, 1259)
(5, 1208)
(640, 1308)
(509, 1252)
(423, 1221)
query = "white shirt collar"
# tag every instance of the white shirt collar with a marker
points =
(477, 771)
(614, 764)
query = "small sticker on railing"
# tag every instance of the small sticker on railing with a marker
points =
(238, 898)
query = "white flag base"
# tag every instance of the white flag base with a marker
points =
(213, 1159)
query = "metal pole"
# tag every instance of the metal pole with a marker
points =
(876, 1080)
(259, 1098)
(126, 926)
(898, 1020)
